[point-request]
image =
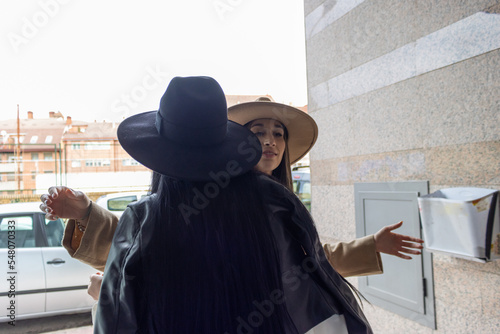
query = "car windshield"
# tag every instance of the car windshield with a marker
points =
(120, 203)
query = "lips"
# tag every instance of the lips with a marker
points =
(269, 154)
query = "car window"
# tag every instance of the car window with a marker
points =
(306, 189)
(17, 231)
(54, 229)
(120, 203)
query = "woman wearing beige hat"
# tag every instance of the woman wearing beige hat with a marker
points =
(287, 134)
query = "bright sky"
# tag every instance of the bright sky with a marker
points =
(95, 60)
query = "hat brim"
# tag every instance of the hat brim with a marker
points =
(302, 129)
(235, 155)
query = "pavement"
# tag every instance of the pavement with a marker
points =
(78, 330)
(80, 323)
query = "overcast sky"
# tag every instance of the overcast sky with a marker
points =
(95, 60)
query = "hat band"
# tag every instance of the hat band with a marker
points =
(207, 136)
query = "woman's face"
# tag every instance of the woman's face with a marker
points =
(271, 134)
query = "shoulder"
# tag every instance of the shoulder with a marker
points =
(143, 206)
(269, 183)
(275, 193)
(135, 216)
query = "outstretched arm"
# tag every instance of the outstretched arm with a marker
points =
(395, 244)
(362, 256)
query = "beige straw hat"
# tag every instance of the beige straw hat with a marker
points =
(302, 129)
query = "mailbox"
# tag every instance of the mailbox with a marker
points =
(462, 222)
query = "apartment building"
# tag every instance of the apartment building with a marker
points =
(61, 151)
(34, 150)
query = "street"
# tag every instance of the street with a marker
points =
(63, 324)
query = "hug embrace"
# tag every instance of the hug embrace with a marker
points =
(222, 244)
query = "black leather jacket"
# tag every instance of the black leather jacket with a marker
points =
(313, 290)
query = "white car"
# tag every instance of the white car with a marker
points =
(39, 277)
(117, 202)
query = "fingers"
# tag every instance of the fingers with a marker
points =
(54, 192)
(412, 245)
(394, 226)
(45, 208)
(402, 256)
(410, 251)
(48, 212)
(408, 238)
(94, 286)
(50, 216)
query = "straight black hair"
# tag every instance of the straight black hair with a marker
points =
(213, 264)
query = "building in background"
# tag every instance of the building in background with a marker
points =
(63, 151)
(39, 151)
(405, 93)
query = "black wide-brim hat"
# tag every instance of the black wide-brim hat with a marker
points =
(190, 137)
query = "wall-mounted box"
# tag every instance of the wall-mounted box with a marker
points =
(462, 222)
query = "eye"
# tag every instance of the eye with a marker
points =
(259, 133)
(278, 134)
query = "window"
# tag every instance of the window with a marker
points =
(54, 230)
(33, 139)
(120, 203)
(48, 172)
(21, 139)
(97, 163)
(34, 156)
(11, 176)
(47, 156)
(129, 162)
(406, 287)
(76, 163)
(17, 230)
(33, 175)
(48, 139)
(97, 146)
(75, 146)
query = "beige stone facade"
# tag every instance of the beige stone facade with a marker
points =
(403, 91)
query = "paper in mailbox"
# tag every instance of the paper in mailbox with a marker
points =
(462, 222)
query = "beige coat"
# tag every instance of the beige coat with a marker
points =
(355, 258)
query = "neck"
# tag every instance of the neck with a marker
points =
(268, 172)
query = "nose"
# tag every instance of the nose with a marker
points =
(269, 140)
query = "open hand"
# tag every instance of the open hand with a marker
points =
(396, 244)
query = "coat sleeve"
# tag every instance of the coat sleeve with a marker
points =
(96, 241)
(118, 307)
(355, 258)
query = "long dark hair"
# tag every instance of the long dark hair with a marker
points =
(283, 172)
(213, 264)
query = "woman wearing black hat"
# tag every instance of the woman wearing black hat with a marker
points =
(219, 248)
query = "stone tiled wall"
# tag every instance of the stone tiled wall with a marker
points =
(401, 91)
